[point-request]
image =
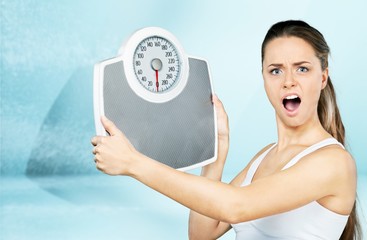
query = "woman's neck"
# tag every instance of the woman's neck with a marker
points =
(305, 134)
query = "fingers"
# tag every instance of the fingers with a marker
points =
(214, 97)
(218, 103)
(216, 100)
(97, 158)
(95, 150)
(99, 164)
(110, 126)
(96, 140)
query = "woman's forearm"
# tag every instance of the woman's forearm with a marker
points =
(197, 193)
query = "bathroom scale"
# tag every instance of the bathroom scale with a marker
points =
(160, 98)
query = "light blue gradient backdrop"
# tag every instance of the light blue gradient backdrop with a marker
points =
(48, 49)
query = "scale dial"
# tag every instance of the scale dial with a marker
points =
(157, 64)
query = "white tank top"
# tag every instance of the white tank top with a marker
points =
(311, 221)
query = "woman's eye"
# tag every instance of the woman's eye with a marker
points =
(276, 71)
(302, 69)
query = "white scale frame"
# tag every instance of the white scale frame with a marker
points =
(126, 54)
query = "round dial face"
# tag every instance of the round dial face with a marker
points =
(157, 64)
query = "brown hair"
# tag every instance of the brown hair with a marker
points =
(327, 108)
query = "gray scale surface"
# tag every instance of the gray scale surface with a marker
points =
(178, 133)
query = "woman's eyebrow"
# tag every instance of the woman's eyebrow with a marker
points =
(300, 63)
(276, 65)
(294, 64)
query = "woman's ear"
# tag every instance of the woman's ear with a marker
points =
(325, 77)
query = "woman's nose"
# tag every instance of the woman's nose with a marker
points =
(289, 81)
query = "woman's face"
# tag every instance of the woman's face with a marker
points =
(293, 79)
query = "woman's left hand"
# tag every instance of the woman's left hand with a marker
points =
(113, 154)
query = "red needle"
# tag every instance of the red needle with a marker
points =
(156, 79)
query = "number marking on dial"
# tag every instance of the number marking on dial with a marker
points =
(157, 64)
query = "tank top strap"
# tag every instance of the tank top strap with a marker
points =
(251, 172)
(312, 148)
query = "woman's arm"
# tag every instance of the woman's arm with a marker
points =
(311, 179)
(326, 172)
(200, 226)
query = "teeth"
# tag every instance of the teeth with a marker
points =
(291, 97)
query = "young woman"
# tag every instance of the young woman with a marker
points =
(301, 187)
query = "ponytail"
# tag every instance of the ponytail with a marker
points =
(330, 119)
(328, 113)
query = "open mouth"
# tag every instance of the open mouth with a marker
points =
(291, 102)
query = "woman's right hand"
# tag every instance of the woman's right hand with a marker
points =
(214, 170)
(222, 119)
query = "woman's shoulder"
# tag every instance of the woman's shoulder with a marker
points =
(334, 170)
(333, 161)
(332, 154)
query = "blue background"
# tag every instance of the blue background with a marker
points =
(49, 186)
